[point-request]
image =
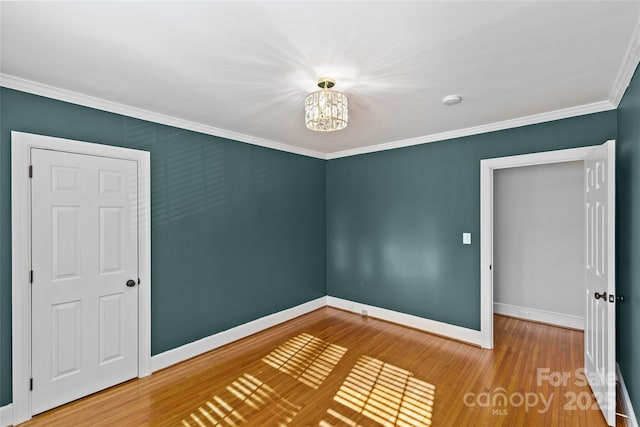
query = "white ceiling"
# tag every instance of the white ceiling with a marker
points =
(243, 69)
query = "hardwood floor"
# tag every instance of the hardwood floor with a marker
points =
(333, 368)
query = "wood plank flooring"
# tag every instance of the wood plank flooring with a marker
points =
(331, 368)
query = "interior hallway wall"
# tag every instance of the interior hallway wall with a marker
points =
(538, 246)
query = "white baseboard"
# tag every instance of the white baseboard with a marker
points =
(459, 333)
(6, 415)
(446, 330)
(551, 317)
(632, 421)
(187, 351)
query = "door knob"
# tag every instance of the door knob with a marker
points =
(603, 296)
(131, 283)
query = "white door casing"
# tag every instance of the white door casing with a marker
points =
(65, 212)
(487, 167)
(600, 313)
(84, 250)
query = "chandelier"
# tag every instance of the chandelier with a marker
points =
(326, 110)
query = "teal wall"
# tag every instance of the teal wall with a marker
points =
(628, 238)
(395, 218)
(241, 231)
(238, 231)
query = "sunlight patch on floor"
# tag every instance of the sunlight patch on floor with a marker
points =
(386, 394)
(337, 419)
(306, 358)
(240, 401)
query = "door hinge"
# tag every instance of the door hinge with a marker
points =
(30, 384)
(31, 276)
(30, 171)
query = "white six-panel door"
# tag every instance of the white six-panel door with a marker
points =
(600, 314)
(84, 251)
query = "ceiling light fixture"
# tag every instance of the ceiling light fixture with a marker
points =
(326, 110)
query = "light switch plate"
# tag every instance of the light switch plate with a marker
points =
(466, 238)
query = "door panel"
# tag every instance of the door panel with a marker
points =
(111, 328)
(85, 246)
(599, 334)
(65, 337)
(111, 239)
(65, 248)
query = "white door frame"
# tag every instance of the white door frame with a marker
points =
(487, 167)
(21, 145)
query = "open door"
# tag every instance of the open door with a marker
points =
(600, 313)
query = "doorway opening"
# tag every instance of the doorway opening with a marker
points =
(487, 169)
(538, 270)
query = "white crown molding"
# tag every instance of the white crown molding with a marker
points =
(564, 113)
(35, 88)
(628, 67)
(24, 85)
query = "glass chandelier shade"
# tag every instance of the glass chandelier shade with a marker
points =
(326, 110)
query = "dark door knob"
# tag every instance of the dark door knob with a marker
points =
(603, 296)
(131, 283)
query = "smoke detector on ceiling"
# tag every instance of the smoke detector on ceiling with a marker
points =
(452, 99)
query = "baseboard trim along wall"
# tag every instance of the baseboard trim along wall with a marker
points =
(471, 336)
(631, 419)
(446, 330)
(187, 351)
(6, 415)
(551, 317)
